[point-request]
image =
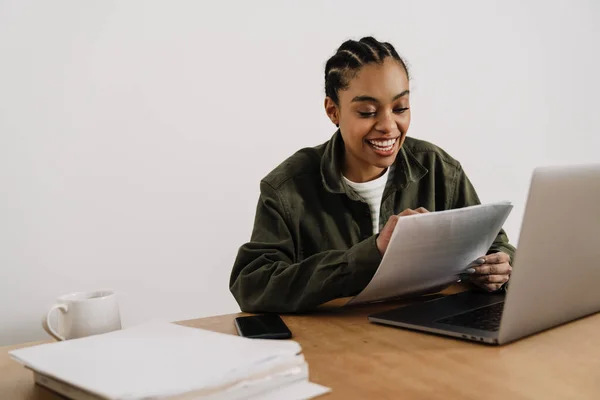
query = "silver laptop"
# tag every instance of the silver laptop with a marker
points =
(556, 270)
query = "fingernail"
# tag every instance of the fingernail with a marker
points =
(470, 271)
(480, 261)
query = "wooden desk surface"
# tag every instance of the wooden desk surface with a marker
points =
(360, 360)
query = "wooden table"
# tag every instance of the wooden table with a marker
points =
(361, 360)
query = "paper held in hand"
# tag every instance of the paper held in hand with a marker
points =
(427, 252)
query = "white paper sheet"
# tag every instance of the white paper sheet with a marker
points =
(159, 359)
(428, 251)
(296, 391)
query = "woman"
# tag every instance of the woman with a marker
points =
(325, 215)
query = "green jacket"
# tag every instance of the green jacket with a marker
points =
(313, 238)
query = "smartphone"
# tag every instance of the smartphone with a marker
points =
(264, 326)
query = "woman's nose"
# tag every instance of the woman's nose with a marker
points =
(386, 123)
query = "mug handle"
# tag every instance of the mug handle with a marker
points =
(46, 321)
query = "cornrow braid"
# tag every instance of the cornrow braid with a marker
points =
(350, 57)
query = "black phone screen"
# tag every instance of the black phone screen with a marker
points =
(265, 326)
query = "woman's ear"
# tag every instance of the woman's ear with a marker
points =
(332, 111)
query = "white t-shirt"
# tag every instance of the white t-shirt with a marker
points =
(371, 192)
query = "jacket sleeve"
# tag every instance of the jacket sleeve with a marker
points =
(465, 195)
(268, 277)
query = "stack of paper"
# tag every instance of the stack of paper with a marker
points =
(165, 360)
(427, 252)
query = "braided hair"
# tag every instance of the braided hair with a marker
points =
(350, 57)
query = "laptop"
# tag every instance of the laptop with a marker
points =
(556, 270)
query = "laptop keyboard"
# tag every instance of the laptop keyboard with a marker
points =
(486, 318)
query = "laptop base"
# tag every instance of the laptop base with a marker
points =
(426, 316)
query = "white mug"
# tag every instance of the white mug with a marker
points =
(84, 314)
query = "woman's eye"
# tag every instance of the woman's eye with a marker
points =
(400, 110)
(366, 114)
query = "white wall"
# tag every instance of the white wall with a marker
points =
(133, 134)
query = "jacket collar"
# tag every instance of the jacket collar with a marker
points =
(407, 168)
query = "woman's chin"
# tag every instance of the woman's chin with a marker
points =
(384, 162)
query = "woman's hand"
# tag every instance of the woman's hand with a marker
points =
(493, 272)
(383, 240)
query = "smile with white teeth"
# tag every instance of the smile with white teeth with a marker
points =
(383, 145)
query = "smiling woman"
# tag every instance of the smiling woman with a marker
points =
(325, 215)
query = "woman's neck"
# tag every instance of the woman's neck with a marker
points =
(361, 173)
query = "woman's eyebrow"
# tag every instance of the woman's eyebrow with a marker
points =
(370, 99)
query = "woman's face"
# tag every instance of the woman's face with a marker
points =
(374, 116)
